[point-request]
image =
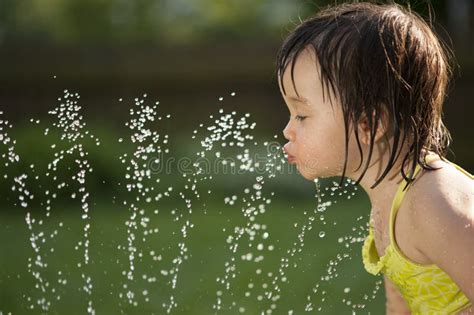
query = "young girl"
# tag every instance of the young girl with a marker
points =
(365, 85)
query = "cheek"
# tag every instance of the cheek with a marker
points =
(322, 140)
(324, 149)
(313, 147)
(307, 140)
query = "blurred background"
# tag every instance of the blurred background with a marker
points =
(186, 54)
(183, 53)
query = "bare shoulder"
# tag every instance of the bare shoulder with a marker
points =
(442, 210)
(445, 192)
(441, 203)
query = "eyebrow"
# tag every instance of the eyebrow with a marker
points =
(299, 100)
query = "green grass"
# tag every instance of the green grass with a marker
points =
(208, 251)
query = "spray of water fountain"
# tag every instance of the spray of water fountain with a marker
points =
(248, 244)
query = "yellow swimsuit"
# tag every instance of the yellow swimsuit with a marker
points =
(426, 288)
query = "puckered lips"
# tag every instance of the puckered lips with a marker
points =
(291, 158)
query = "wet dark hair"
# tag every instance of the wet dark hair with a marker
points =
(379, 60)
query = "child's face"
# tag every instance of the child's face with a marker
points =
(315, 131)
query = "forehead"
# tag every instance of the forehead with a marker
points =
(305, 60)
(301, 78)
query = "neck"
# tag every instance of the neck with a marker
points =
(382, 195)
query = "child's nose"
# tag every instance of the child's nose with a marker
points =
(287, 132)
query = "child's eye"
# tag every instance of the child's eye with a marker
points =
(300, 118)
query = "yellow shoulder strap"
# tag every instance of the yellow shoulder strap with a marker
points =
(397, 200)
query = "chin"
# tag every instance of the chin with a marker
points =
(311, 178)
(308, 175)
(316, 173)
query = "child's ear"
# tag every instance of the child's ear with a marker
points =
(364, 128)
